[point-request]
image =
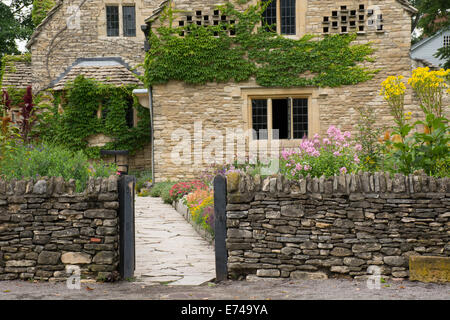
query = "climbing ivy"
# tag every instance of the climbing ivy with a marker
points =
(210, 54)
(78, 120)
(40, 10)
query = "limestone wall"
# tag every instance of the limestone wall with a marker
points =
(45, 226)
(314, 228)
(178, 106)
(56, 46)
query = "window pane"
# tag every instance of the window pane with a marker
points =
(112, 21)
(270, 16)
(281, 118)
(259, 119)
(129, 21)
(287, 16)
(300, 118)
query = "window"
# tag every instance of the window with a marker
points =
(259, 118)
(282, 14)
(129, 21)
(112, 21)
(287, 115)
(446, 43)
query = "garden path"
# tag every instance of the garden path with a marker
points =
(168, 249)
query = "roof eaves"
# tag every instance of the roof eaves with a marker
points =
(423, 41)
(408, 6)
(157, 11)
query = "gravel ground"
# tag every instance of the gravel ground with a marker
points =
(270, 289)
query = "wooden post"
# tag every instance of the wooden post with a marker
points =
(220, 227)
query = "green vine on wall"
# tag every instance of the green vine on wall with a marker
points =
(210, 54)
(78, 121)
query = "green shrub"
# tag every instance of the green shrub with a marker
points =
(34, 161)
(142, 176)
(162, 189)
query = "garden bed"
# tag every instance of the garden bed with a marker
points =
(182, 209)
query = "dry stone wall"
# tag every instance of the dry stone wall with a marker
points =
(315, 228)
(45, 226)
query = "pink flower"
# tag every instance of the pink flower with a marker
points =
(326, 141)
(337, 153)
(343, 170)
(347, 134)
(306, 167)
(298, 167)
(356, 159)
(358, 147)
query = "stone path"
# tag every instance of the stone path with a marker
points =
(168, 249)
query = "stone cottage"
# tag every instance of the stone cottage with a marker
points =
(190, 122)
(98, 39)
(181, 110)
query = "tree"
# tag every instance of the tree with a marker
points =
(432, 16)
(15, 24)
(435, 15)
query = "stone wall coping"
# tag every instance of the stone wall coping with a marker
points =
(48, 186)
(361, 183)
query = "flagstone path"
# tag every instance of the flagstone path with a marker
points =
(168, 249)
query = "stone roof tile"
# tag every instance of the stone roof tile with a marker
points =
(17, 74)
(111, 74)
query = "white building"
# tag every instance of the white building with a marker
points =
(427, 48)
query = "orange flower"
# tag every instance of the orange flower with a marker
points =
(396, 138)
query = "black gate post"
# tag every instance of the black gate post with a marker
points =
(220, 227)
(126, 227)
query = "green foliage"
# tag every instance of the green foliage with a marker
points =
(444, 54)
(435, 15)
(432, 152)
(34, 161)
(371, 153)
(142, 176)
(162, 189)
(15, 24)
(79, 119)
(209, 54)
(40, 10)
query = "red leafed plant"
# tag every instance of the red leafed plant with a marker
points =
(27, 115)
(6, 101)
(180, 189)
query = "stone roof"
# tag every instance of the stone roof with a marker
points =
(107, 70)
(17, 74)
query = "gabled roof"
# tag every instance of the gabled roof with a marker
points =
(110, 70)
(39, 28)
(157, 11)
(405, 4)
(424, 41)
(408, 6)
(17, 73)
